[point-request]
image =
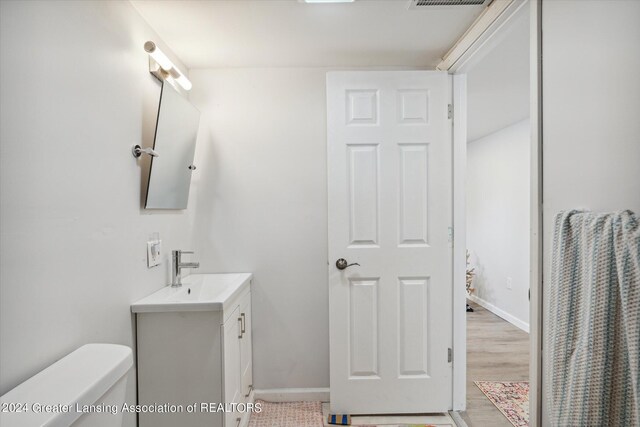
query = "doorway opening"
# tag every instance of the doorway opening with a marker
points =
(498, 227)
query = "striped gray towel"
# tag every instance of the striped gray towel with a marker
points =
(592, 340)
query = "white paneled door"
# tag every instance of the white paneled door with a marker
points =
(390, 211)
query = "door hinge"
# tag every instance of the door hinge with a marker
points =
(450, 111)
(449, 355)
(450, 234)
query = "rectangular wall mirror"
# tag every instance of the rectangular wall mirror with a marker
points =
(175, 143)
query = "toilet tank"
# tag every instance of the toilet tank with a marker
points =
(81, 389)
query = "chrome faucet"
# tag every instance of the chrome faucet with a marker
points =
(178, 265)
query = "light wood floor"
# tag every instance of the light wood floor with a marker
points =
(496, 351)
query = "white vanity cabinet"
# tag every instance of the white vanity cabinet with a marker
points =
(238, 381)
(194, 348)
(246, 352)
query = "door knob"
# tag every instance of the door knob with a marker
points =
(342, 264)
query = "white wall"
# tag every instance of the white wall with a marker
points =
(591, 105)
(262, 207)
(76, 95)
(498, 181)
(498, 79)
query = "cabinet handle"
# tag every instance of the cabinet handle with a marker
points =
(241, 329)
(243, 323)
(249, 392)
(238, 421)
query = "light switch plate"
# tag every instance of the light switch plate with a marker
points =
(154, 253)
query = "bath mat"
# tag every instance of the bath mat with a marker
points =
(511, 398)
(288, 414)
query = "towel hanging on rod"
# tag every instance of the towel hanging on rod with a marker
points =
(592, 340)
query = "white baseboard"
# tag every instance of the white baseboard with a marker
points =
(293, 394)
(457, 419)
(501, 313)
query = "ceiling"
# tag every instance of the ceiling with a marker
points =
(289, 33)
(498, 84)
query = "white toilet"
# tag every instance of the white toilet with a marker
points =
(81, 389)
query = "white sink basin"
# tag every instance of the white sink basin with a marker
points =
(199, 292)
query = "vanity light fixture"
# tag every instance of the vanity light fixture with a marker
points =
(166, 67)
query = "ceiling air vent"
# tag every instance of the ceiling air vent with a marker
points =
(415, 4)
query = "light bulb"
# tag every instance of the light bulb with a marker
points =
(158, 56)
(184, 82)
(166, 65)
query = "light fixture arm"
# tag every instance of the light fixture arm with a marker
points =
(138, 151)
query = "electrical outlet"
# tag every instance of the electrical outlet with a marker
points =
(154, 253)
(509, 283)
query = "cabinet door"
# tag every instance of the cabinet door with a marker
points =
(246, 363)
(232, 382)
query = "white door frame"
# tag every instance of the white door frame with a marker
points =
(476, 48)
(459, 242)
(535, 277)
